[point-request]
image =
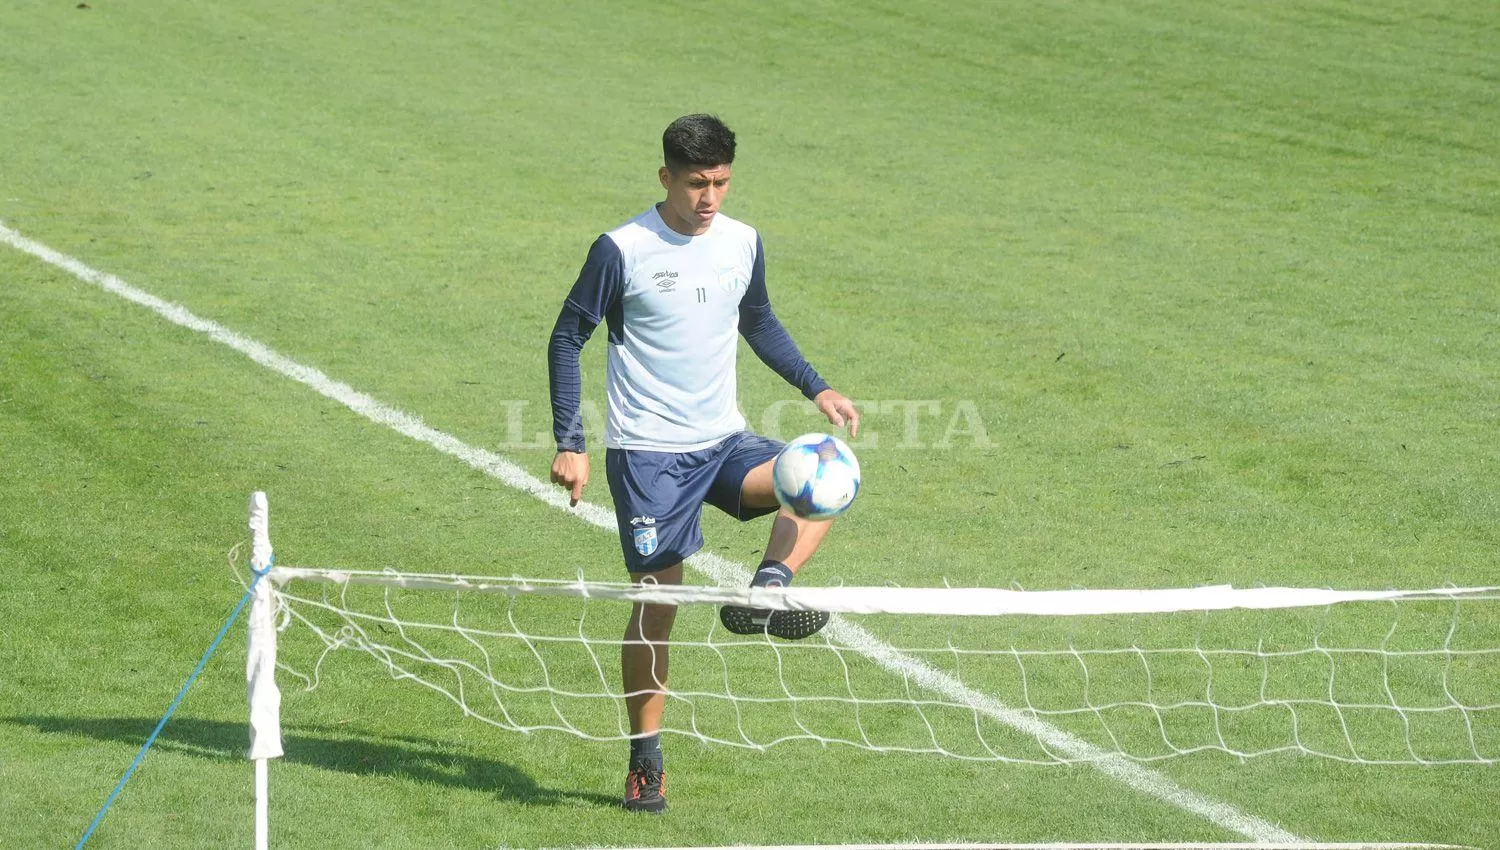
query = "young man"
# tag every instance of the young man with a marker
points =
(676, 286)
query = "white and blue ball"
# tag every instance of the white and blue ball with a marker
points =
(816, 476)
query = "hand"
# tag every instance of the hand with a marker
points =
(571, 470)
(839, 410)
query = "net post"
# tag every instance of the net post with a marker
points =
(262, 809)
(260, 666)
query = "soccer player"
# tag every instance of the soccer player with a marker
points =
(675, 287)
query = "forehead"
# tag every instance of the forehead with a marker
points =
(707, 175)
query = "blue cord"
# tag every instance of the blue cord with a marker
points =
(202, 662)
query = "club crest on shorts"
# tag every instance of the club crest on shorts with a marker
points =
(645, 540)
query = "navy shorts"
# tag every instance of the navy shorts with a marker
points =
(659, 495)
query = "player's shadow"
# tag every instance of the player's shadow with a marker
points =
(407, 758)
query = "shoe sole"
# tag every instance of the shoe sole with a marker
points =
(787, 625)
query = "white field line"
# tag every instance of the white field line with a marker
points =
(1196, 845)
(720, 570)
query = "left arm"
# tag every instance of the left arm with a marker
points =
(769, 339)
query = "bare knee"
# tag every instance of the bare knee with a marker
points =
(654, 622)
(651, 623)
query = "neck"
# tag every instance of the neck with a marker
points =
(677, 225)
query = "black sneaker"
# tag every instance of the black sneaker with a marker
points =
(646, 789)
(787, 625)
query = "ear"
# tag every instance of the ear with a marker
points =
(664, 174)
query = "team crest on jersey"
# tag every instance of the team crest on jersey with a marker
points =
(733, 280)
(645, 540)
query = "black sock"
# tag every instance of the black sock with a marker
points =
(772, 574)
(646, 750)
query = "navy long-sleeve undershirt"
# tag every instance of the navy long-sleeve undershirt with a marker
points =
(758, 324)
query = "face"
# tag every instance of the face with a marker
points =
(693, 197)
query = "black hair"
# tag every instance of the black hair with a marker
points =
(697, 141)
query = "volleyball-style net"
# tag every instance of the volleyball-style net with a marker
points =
(1042, 677)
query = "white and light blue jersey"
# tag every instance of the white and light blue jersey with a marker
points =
(674, 306)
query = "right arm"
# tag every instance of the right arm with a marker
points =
(598, 288)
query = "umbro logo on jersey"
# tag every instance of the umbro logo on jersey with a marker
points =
(665, 280)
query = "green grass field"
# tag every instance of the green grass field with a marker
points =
(1147, 294)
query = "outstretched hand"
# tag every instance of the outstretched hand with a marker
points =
(571, 470)
(839, 410)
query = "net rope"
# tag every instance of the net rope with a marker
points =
(1368, 677)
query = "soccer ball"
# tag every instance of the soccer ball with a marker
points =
(816, 476)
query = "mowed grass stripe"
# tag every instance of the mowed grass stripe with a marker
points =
(723, 571)
(1262, 235)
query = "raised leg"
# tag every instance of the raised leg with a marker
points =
(792, 544)
(793, 539)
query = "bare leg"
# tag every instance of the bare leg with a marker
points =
(643, 657)
(793, 542)
(793, 539)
